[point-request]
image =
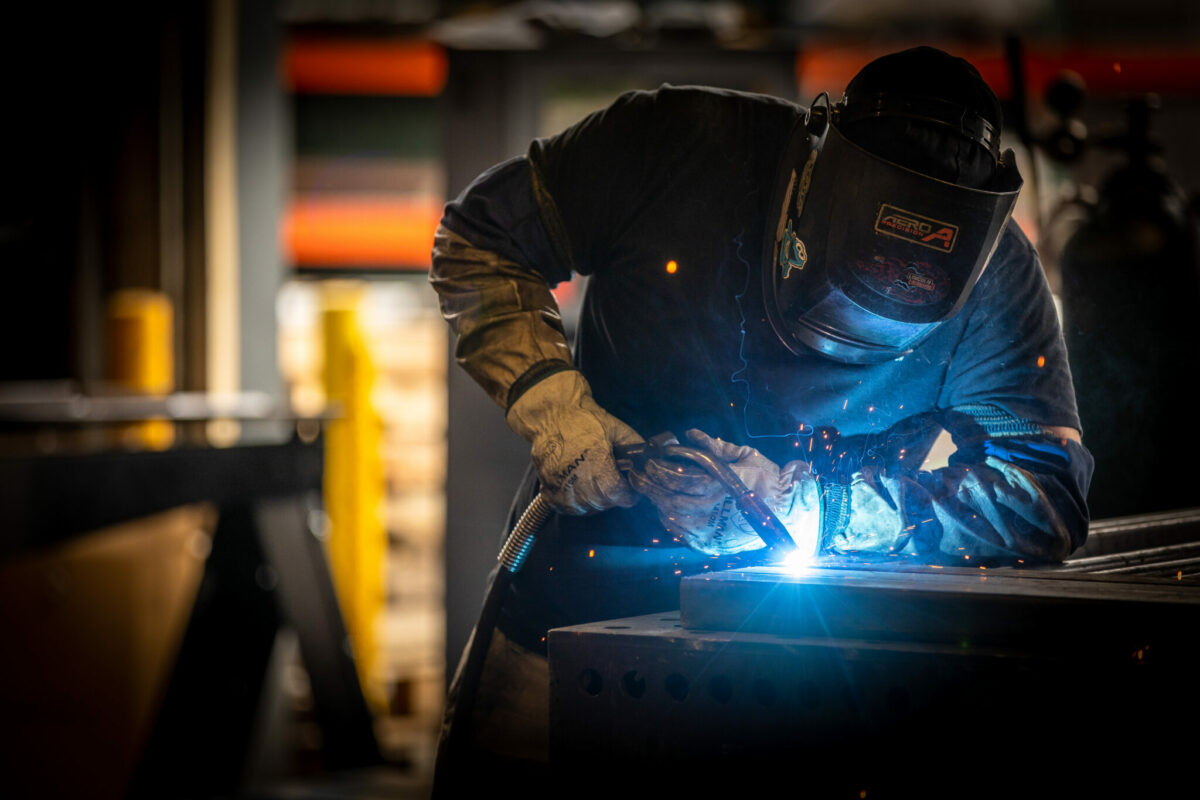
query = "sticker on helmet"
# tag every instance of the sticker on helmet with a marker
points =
(792, 253)
(916, 283)
(915, 228)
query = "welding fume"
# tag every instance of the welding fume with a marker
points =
(806, 295)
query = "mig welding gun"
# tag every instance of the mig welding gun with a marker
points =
(664, 449)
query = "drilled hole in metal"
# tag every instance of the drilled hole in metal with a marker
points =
(676, 686)
(633, 684)
(591, 682)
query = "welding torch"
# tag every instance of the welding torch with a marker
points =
(663, 447)
(516, 549)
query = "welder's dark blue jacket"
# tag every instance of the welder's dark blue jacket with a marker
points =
(685, 175)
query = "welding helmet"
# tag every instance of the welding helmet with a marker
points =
(869, 255)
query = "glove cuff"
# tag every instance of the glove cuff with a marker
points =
(835, 509)
(542, 405)
(533, 376)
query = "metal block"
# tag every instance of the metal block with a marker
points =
(1105, 616)
(644, 704)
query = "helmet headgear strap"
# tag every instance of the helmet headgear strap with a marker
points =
(960, 119)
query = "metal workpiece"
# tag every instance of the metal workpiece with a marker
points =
(1125, 535)
(897, 678)
(645, 699)
(1035, 610)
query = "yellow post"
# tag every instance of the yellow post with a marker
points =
(354, 483)
(141, 358)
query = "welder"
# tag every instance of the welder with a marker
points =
(811, 294)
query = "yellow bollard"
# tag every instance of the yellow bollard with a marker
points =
(141, 358)
(354, 482)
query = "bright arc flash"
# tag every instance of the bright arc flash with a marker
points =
(795, 561)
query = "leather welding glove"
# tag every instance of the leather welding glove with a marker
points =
(876, 522)
(699, 511)
(572, 442)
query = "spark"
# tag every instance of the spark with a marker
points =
(672, 267)
(845, 404)
(1179, 575)
(678, 572)
(1117, 66)
(591, 553)
(1041, 361)
(870, 409)
(552, 569)
(968, 558)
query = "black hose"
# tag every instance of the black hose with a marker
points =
(511, 558)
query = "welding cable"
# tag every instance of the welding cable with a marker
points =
(511, 558)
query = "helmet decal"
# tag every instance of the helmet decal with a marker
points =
(915, 228)
(916, 283)
(792, 252)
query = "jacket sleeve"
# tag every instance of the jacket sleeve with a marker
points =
(492, 271)
(1012, 490)
(503, 243)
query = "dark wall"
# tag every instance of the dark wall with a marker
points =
(101, 151)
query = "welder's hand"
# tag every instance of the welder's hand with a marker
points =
(699, 511)
(875, 525)
(572, 442)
